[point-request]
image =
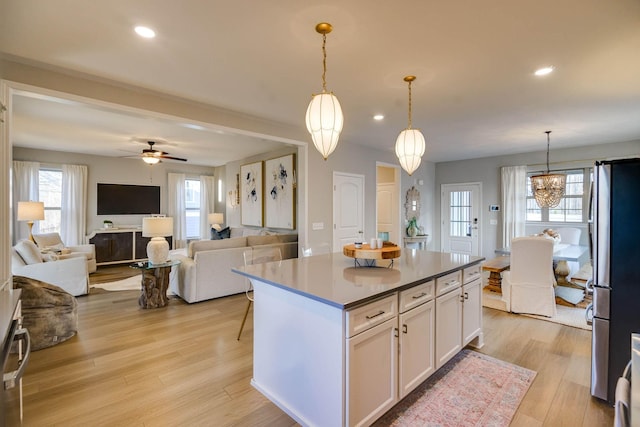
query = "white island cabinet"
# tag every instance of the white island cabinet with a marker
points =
(339, 345)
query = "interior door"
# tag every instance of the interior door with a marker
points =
(460, 213)
(348, 209)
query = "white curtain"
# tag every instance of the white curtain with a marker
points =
(514, 202)
(73, 210)
(176, 208)
(25, 188)
(207, 203)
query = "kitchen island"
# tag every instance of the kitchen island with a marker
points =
(338, 345)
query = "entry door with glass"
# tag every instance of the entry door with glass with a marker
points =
(460, 229)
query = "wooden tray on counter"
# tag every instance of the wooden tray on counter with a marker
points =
(386, 252)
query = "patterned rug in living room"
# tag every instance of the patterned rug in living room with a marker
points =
(472, 389)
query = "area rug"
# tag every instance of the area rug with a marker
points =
(574, 317)
(128, 284)
(472, 389)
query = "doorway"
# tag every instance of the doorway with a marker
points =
(388, 202)
(460, 213)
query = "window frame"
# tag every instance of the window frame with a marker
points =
(189, 201)
(47, 207)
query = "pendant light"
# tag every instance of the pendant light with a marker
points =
(324, 115)
(410, 144)
(548, 189)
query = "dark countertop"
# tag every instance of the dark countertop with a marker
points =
(332, 279)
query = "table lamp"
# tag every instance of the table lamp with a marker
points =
(215, 219)
(157, 227)
(30, 211)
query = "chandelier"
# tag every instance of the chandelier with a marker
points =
(410, 144)
(324, 115)
(548, 189)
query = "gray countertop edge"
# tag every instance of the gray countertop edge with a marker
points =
(361, 301)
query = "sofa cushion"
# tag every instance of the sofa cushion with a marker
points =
(48, 240)
(287, 238)
(28, 251)
(208, 245)
(261, 240)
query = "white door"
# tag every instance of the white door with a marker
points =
(460, 213)
(388, 215)
(348, 209)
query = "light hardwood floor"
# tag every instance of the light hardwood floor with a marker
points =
(182, 366)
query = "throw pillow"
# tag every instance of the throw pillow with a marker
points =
(225, 233)
(28, 251)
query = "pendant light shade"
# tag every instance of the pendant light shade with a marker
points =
(324, 115)
(324, 122)
(548, 189)
(409, 149)
(410, 144)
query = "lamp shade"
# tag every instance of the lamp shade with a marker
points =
(160, 226)
(30, 211)
(410, 147)
(215, 218)
(324, 121)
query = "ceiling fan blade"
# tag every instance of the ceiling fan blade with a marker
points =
(173, 158)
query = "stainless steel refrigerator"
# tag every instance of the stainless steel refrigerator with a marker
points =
(616, 271)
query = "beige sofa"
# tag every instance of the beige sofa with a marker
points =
(205, 269)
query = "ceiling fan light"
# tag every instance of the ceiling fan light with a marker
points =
(410, 146)
(324, 121)
(150, 160)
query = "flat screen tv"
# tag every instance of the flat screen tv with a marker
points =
(121, 199)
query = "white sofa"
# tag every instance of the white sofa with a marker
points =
(69, 274)
(53, 242)
(205, 267)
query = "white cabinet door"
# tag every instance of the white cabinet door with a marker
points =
(416, 361)
(471, 311)
(448, 326)
(372, 373)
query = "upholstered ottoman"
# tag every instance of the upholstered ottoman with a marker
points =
(49, 313)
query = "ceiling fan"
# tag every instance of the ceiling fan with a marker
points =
(152, 156)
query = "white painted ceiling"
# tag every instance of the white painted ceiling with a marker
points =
(475, 93)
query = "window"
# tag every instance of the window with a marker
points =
(192, 207)
(573, 206)
(460, 213)
(50, 192)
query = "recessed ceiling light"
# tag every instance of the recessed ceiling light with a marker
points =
(145, 32)
(378, 117)
(543, 71)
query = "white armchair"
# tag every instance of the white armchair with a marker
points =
(54, 242)
(529, 286)
(69, 274)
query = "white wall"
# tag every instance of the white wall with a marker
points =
(487, 171)
(112, 170)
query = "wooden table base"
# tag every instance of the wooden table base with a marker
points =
(155, 283)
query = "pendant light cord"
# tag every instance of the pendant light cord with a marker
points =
(548, 132)
(409, 105)
(324, 63)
